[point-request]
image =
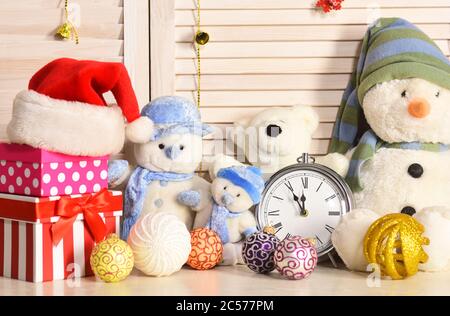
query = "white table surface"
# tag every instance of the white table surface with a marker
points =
(237, 280)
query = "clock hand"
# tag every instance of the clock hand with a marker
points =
(303, 212)
(296, 199)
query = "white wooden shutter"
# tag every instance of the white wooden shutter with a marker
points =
(265, 53)
(27, 41)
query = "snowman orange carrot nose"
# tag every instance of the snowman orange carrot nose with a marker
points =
(419, 108)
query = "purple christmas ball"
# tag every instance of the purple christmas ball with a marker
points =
(295, 258)
(258, 251)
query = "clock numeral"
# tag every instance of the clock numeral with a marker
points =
(319, 241)
(305, 182)
(277, 197)
(289, 186)
(329, 228)
(320, 185)
(278, 227)
(334, 213)
(274, 213)
(330, 197)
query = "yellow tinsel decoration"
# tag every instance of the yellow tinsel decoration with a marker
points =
(394, 242)
(67, 30)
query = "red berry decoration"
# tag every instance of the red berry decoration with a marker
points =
(206, 249)
(329, 5)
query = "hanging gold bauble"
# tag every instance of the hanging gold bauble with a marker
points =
(64, 31)
(201, 38)
(67, 30)
(394, 242)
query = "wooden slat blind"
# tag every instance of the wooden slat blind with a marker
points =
(27, 42)
(266, 53)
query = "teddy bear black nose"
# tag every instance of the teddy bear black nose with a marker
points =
(415, 170)
(273, 130)
(408, 210)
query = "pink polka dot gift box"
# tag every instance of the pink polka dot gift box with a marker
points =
(25, 170)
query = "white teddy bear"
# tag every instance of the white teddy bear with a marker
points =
(276, 137)
(398, 107)
(226, 209)
(168, 149)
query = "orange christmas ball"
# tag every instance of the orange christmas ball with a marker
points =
(206, 249)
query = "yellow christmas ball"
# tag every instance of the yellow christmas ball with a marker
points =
(394, 242)
(112, 259)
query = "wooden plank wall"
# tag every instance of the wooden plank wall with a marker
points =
(265, 53)
(27, 42)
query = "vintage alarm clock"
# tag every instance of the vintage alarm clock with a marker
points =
(305, 199)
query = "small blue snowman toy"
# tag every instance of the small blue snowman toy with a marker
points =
(225, 209)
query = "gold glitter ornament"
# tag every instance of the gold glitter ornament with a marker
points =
(394, 242)
(65, 31)
(112, 259)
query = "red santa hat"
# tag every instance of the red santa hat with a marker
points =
(64, 109)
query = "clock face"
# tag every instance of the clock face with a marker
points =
(305, 203)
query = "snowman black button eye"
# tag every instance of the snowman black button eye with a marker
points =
(404, 94)
(238, 195)
(181, 147)
(224, 188)
(438, 94)
(161, 146)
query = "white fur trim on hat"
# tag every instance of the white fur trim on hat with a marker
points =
(72, 128)
(220, 161)
(140, 130)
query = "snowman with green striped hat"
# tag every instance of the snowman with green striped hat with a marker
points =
(394, 127)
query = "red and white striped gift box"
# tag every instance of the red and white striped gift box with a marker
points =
(27, 250)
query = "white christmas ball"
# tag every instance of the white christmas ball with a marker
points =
(161, 244)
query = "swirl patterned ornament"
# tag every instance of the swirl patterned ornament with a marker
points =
(161, 244)
(207, 249)
(295, 258)
(112, 259)
(258, 252)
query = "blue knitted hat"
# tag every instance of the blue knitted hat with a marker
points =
(174, 115)
(248, 178)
